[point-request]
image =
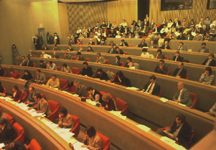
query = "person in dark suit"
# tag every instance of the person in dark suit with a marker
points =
(80, 57)
(142, 44)
(94, 95)
(203, 48)
(180, 130)
(160, 55)
(121, 79)
(152, 87)
(161, 68)
(101, 74)
(7, 132)
(27, 75)
(45, 47)
(176, 23)
(36, 43)
(210, 60)
(180, 72)
(181, 36)
(182, 47)
(189, 37)
(91, 43)
(123, 43)
(177, 57)
(80, 89)
(86, 70)
(29, 63)
(15, 145)
(42, 64)
(112, 50)
(165, 45)
(118, 50)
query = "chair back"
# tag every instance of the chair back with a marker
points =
(122, 64)
(54, 107)
(33, 145)
(166, 57)
(191, 139)
(87, 59)
(168, 71)
(35, 56)
(58, 68)
(63, 84)
(160, 92)
(105, 142)
(34, 64)
(75, 70)
(20, 132)
(194, 99)
(187, 76)
(107, 61)
(121, 106)
(10, 118)
(76, 127)
(73, 57)
(130, 45)
(4, 90)
(126, 53)
(5, 74)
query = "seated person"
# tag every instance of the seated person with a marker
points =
(81, 49)
(181, 36)
(51, 65)
(182, 95)
(100, 59)
(42, 105)
(212, 111)
(43, 55)
(123, 43)
(159, 54)
(30, 100)
(86, 70)
(112, 50)
(64, 120)
(112, 43)
(180, 72)
(181, 47)
(101, 74)
(7, 132)
(118, 50)
(27, 75)
(2, 90)
(198, 37)
(65, 68)
(103, 41)
(15, 145)
(165, 45)
(16, 93)
(55, 56)
(45, 47)
(142, 44)
(89, 49)
(177, 57)
(180, 131)
(92, 140)
(94, 95)
(129, 62)
(152, 87)
(189, 37)
(53, 82)
(70, 42)
(121, 79)
(67, 56)
(90, 42)
(80, 57)
(210, 60)
(1, 71)
(161, 68)
(207, 77)
(152, 45)
(40, 77)
(42, 64)
(80, 89)
(70, 48)
(208, 37)
(28, 63)
(203, 48)
(145, 53)
(23, 62)
(13, 73)
(117, 61)
(108, 103)
(118, 35)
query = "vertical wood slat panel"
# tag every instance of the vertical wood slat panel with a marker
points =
(63, 19)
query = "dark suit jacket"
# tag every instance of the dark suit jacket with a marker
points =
(156, 89)
(102, 76)
(142, 45)
(182, 74)
(87, 71)
(29, 64)
(179, 23)
(8, 134)
(113, 52)
(163, 47)
(93, 43)
(212, 63)
(181, 37)
(125, 82)
(18, 95)
(163, 71)
(184, 133)
(125, 43)
(178, 59)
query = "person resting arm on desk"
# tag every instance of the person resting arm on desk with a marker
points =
(15, 145)
(16, 93)
(207, 77)
(121, 79)
(94, 95)
(212, 111)
(65, 120)
(117, 61)
(27, 75)
(108, 103)
(2, 90)
(53, 82)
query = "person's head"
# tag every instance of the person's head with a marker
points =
(55, 34)
(90, 131)
(180, 65)
(85, 64)
(54, 77)
(3, 122)
(152, 79)
(63, 112)
(23, 57)
(106, 97)
(15, 88)
(66, 54)
(89, 89)
(117, 58)
(89, 48)
(177, 53)
(152, 42)
(180, 86)
(159, 51)
(120, 74)
(143, 41)
(26, 72)
(203, 45)
(207, 34)
(144, 50)
(122, 41)
(41, 62)
(31, 90)
(78, 53)
(117, 48)
(98, 54)
(201, 19)
(76, 83)
(180, 118)
(13, 46)
(189, 35)
(99, 71)
(161, 62)
(37, 97)
(181, 44)
(211, 56)
(64, 65)
(129, 59)
(208, 70)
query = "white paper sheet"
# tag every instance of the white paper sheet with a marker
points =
(143, 127)
(2, 145)
(132, 88)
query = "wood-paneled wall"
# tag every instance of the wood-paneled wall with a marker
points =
(199, 10)
(63, 19)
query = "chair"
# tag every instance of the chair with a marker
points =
(15, 75)
(130, 45)
(71, 89)
(121, 106)
(33, 145)
(160, 92)
(158, 25)
(54, 107)
(58, 68)
(126, 53)
(122, 64)
(166, 57)
(20, 132)
(194, 99)
(105, 142)
(10, 118)
(75, 70)
(47, 78)
(107, 61)
(4, 91)
(20, 75)
(87, 59)
(34, 64)
(76, 127)
(73, 57)
(168, 71)
(35, 56)
(63, 84)
(187, 76)
(24, 96)
(114, 76)
(5, 74)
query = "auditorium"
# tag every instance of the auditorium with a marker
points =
(107, 74)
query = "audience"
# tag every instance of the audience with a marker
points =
(94, 95)
(152, 45)
(2, 91)
(108, 103)
(64, 119)
(207, 77)
(117, 61)
(42, 64)
(152, 87)
(100, 59)
(67, 56)
(121, 79)
(86, 70)
(27, 75)
(182, 47)
(159, 54)
(165, 45)
(177, 57)
(112, 50)
(89, 49)
(30, 100)
(129, 62)
(51, 65)
(23, 62)
(142, 44)
(210, 60)
(118, 50)
(65, 68)
(101, 74)
(145, 53)
(53, 82)
(15, 53)
(80, 89)
(203, 48)
(16, 93)
(180, 72)
(123, 43)
(161, 67)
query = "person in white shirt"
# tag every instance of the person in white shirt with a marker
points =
(51, 65)
(124, 23)
(145, 53)
(164, 30)
(118, 35)
(43, 55)
(78, 31)
(169, 24)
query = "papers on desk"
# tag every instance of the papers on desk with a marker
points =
(143, 127)
(35, 114)
(78, 146)
(132, 67)
(72, 141)
(133, 88)
(182, 104)
(2, 145)
(75, 95)
(163, 99)
(118, 113)
(23, 106)
(91, 102)
(172, 143)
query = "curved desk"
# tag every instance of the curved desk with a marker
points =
(123, 133)
(143, 108)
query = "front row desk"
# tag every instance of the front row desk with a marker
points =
(143, 108)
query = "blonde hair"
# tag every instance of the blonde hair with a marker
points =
(106, 97)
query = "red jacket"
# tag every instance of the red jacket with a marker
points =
(18, 95)
(15, 75)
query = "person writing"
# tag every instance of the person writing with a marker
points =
(65, 120)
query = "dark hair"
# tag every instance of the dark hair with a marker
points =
(209, 69)
(64, 65)
(182, 43)
(3, 121)
(28, 57)
(144, 50)
(159, 50)
(16, 87)
(153, 77)
(13, 45)
(32, 88)
(118, 57)
(38, 70)
(50, 62)
(41, 61)
(116, 47)
(63, 110)
(122, 40)
(89, 88)
(177, 52)
(181, 117)
(90, 47)
(99, 54)
(23, 56)
(203, 43)
(162, 61)
(85, 63)
(27, 72)
(182, 64)
(170, 20)
(99, 70)
(211, 54)
(90, 130)
(54, 76)
(38, 95)
(78, 53)
(129, 58)
(120, 74)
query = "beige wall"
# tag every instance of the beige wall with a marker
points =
(199, 9)
(63, 19)
(19, 21)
